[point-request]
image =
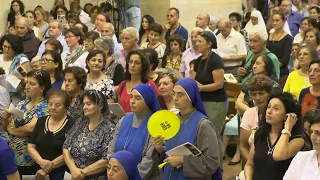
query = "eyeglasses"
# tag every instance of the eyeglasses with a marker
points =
(45, 60)
(316, 71)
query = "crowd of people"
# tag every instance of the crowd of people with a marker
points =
(72, 66)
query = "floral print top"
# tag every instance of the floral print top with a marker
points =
(75, 111)
(87, 147)
(19, 144)
(105, 86)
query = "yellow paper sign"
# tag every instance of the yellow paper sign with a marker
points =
(164, 123)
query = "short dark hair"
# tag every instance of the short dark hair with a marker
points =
(260, 82)
(105, 16)
(172, 38)
(283, 17)
(57, 59)
(315, 8)
(305, 18)
(236, 15)
(93, 9)
(315, 61)
(156, 28)
(76, 32)
(84, 27)
(105, 7)
(73, 16)
(144, 63)
(43, 79)
(153, 57)
(56, 45)
(91, 35)
(310, 116)
(313, 52)
(94, 53)
(176, 10)
(93, 98)
(84, 7)
(75, 5)
(20, 4)
(79, 74)
(64, 96)
(15, 42)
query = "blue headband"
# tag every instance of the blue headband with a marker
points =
(129, 163)
(191, 88)
(149, 96)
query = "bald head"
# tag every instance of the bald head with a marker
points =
(224, 27)
(203, 20)
(22, 26)
(107, 29)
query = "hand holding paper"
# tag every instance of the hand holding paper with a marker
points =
(16, 112)
(14, 78)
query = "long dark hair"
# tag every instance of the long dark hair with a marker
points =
(150, 20)
(145, 65)
(291, 106)
(21, 7)
(15, 42)
(57, 59)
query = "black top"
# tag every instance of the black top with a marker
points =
(282, 49)
(204, 68)
(265, 168)
(11, 18)
(118, 75)
(49, 144)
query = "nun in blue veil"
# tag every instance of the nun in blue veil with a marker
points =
(131, 133)
(196, 129)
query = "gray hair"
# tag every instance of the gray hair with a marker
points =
(197, 29)
(106, 43)
(132, 31)
(263, 35)
(60, 26)
(112, 27)
(26, 21)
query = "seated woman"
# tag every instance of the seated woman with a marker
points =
(53, 45)
(86, 146)
(52, 63)
(310, 96)
(113, 69)
(138, 67)
(278, 139)
(131, 133)
(166, 83)
(48, 136)
(297, 80)
(123, 165)
(96, 79)
(262, 65)
(35, 63)
(89, 39)
(146, 21)
(42, 22)
(260, 88)
(196, 129)
(305, 164)
(312, 38)
(34, 107)
(154, 62)
(75, 79)
(173, 54)
(154, 34)
(76, 54)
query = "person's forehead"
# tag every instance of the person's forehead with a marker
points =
(100, 16)
(172, 12)
(106, 27)
(285, 2)
(54, 23)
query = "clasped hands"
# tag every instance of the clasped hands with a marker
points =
(46, 168)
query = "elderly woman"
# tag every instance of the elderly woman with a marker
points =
(312, 38)
(96, 79)
(173, 53)
(34, 107)
(123, 166)
(278, 139)
(310, 96)
(113, 69)
(48, 136)
(196, 129)
(89, 39)
(305, 164)
(138, 67)
(131, 132)
(85, 149)
(297, 80)
(11, 59)
(256, 22)
(76, 54)
(154, 34)
(52, 63)
(75, 79)
(300, 36)
(35, 63)
(209, 76)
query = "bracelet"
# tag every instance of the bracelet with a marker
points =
(285, 131)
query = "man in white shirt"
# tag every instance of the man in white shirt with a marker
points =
(76, 8)
(100, 19)
(231, 47)
(190, 53)
(55, 31)
(107, 29)
(202, 21)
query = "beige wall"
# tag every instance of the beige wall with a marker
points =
(157, 8)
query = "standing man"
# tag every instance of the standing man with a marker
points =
(173, 26)
(132, 13)
(107, 29)
(83, 16)
(231, 47)
(294, 18)
(202, 21)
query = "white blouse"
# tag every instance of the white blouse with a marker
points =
(304, 166)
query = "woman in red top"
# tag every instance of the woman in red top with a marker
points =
(138, 67)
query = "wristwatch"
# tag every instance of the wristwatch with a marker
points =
(284, 131)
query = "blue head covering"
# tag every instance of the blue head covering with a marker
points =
(191, 88)
(129, 163)
(149, 96)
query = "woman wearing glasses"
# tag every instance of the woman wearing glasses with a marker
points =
(52, 63)
(310, 96)
(138, 67)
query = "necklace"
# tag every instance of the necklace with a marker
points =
(278, 39)
(270, 150)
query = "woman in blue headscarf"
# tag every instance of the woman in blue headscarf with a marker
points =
(131, 133)
(123, 165)
(196, 129)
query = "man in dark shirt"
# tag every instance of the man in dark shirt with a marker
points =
(173, 26)
(8, 167)
(30, 42)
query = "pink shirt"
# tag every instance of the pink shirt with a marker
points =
(125, 97)
(250, 122)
